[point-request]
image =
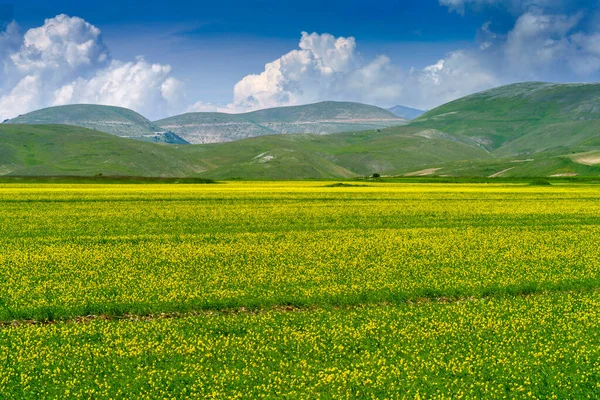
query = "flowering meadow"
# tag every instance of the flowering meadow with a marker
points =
(299, 290)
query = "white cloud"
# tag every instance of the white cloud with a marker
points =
(457, 75)
(537, 40)
(146, 88)
(65, 61)
(24, 96)
(541, 44)
(329, 68)
(550, 40)
(300, 76)
(61, 43)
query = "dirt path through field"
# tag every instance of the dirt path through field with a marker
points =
(500, 172)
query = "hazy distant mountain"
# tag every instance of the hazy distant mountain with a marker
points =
(114, 120)
(320, 118)
(406, 112)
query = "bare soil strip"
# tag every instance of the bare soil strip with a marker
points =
(497, 174)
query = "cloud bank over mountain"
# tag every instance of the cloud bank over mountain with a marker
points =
(65, 61)
(549, 40)
(325, 67)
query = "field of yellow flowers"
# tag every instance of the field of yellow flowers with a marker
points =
(299, 290)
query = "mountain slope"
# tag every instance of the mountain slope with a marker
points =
(406, 112)
(114, 120)
(531, 129)
(522, 119)
(67, 150)
(389, 151)
(413, 151)
(319, 118)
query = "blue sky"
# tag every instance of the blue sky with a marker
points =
(209, 55)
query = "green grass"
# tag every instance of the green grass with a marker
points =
(63, 150)
(38, 150)
(535, 346)
(523, 118)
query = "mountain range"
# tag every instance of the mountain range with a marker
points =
(320, 118)
(527, 129)
(115, 120)
(208, 127)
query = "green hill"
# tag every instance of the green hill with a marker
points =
(320, 118)
(349, 154)
(523, 118)
(114, 120)
(522, 130)
(67, 150)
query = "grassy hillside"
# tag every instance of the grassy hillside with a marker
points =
(114, 120)
(337, 155)
(522, 130)
(66, 150)
(522, 119)
(320, 118)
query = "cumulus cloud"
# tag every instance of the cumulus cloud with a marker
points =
(329, 68)
(62, 43)
(65, 61)
(24, 96)
(300, 76)
(138, 85)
